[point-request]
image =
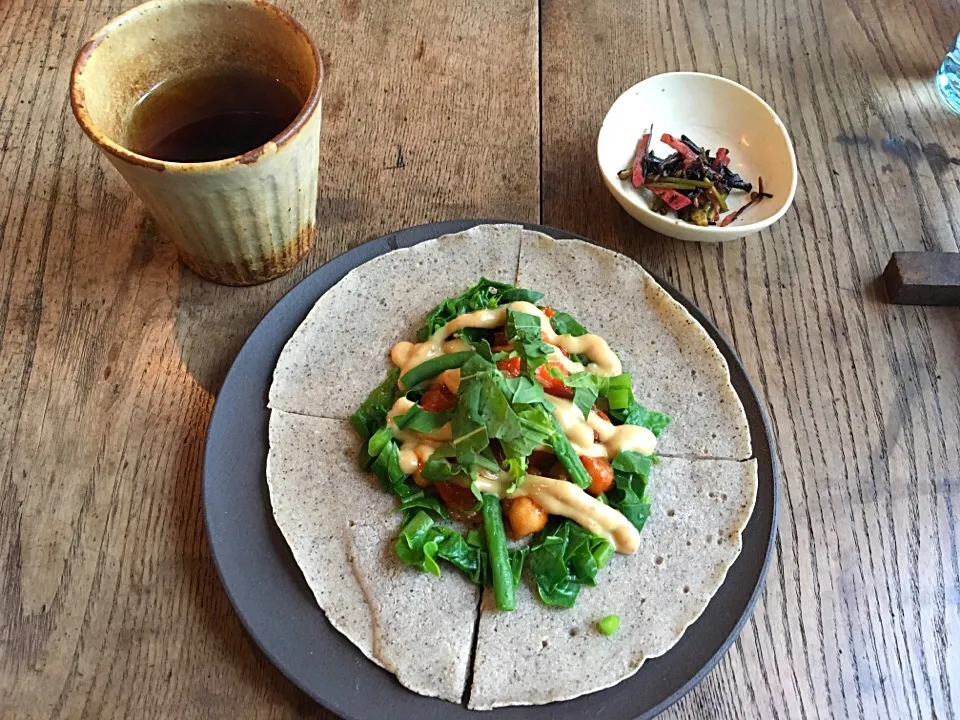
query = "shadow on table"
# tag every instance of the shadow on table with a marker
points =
(213, 321)
(220, 637)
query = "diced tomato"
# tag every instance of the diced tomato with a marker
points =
(509, 366)
(549, 311)
(437, 399)
(557, 471)
(540, 461)
(600, 472)
(642, 146)
(722, 159)
(681, 147)
(455, 496)
(676, 201)
(500, 341)
(553, 385)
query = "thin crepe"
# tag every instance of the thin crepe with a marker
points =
(341, 527)
(693, 535)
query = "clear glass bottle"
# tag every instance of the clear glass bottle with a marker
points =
(948, 77)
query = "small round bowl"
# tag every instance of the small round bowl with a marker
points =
(713, 112)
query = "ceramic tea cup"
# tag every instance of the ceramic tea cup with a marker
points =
(236, 220)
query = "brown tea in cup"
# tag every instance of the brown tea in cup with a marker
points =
(210, 116)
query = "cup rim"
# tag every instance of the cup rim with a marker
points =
(78, 101)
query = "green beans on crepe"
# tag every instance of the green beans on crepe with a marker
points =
(504, 590)
(568, 457)
(433, 367)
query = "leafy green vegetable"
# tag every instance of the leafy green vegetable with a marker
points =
(421, 542)
(524, 333)
(417, 545)
(584, 399)
(608, 625)
(485, 294)
(567, 456)
(522, 390)
(637, 414)
(632, 462)
(443, 464)
(420, 420)
(471, 561)
(483, 349)
(564, 557)
(537, 429)
(372, 413)
(438, 468)
(386, 466)
(504, 588)
(484, 412)
(625, 409)
(588, 380)
(517, 556)
(378, 441)
(433, 367)
(631, 472)
(587, 388)
(421, 500)
(517, 467)
(564, 324)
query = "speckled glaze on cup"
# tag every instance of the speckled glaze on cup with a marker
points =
(241, 220)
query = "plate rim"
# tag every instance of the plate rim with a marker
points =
(764, 453)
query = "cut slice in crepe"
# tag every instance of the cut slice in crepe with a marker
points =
(676, 368)
(341, 527)
(699, 510)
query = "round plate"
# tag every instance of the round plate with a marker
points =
(277, 608)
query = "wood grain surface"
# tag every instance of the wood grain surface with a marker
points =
(111, 354)
(861, 612)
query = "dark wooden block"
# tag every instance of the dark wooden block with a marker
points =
(923, 278)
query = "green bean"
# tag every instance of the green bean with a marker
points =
(677, 184)
(504, 590)
(719, 199)
(568, 457)
(433, 367)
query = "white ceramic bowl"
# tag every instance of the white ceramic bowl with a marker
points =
(713, 112)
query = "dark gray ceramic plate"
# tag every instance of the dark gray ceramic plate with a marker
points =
(276, 606)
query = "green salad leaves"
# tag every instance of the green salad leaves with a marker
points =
(482, 296)
(501, 417)
(631, 471)
(563, 558)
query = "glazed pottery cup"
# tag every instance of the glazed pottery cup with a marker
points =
(240, 220)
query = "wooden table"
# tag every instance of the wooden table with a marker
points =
(111, 353)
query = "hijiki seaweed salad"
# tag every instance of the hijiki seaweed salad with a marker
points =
(691, 181)
(510, 418)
